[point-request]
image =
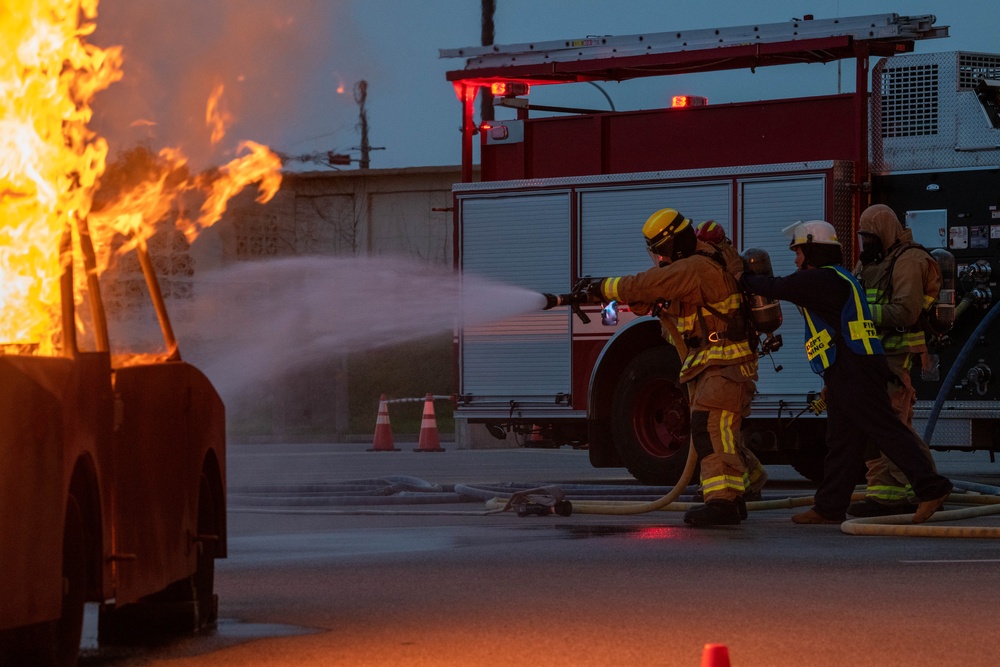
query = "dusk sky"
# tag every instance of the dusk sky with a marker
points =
(289, 67)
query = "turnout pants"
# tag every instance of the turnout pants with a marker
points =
(720, 398)
(858, 410)
(886, 483)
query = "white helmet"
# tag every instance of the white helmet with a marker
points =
(811, 231)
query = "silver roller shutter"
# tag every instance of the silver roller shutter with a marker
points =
(611, 221)
(518, 239)
(766, 207)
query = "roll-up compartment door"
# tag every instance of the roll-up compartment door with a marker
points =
(611, 241)
(767, 206)
(519, 239)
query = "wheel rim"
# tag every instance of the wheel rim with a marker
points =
(660, 418)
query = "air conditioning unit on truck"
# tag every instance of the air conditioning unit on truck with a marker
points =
(112, 487)
(565, 197)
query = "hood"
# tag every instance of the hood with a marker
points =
(881, 221)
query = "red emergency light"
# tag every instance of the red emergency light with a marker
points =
(688, 101)
(509, 89)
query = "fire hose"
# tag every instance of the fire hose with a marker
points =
(362, 495)
(987, 497)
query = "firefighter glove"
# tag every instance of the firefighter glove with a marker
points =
(594, 293)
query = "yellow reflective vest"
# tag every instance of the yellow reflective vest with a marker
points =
(856, 325)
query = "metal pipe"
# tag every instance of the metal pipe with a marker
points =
(161, 309)
(66, 293)
(93, 286)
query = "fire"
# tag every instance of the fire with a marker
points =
(216, 117)
(51, 164)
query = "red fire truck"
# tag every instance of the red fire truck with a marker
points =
(112, 474)
(565, 196)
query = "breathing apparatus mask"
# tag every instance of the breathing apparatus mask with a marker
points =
(871, 248)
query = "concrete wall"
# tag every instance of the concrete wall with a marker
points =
(351, 212)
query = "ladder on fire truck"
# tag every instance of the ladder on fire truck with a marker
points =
(618, 58)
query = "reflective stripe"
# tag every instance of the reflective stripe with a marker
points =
(726, 431)
(731, 352)
(856, 328)
(860, 329)
(818, 344)
(894, 341)
(729, 305)
(610, 288)
(720, 482)
(904, 342)
(889, 493)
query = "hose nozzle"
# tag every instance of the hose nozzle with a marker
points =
(573, 300)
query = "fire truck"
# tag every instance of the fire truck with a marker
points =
(112, 474)
(564, 196)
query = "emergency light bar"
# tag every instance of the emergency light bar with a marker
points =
(688, 101)
(509, 89)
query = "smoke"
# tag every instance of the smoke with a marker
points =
(260, 320)
(268, 56)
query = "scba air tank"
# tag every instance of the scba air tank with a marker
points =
(766, 312)
(942, 315)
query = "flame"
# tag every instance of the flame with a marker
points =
(216, 117)
(259, 166)
(51, 164)
(49, 159)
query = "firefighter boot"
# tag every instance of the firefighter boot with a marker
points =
(714, 513)
(741, 505)
(814, 517)
(869, 508)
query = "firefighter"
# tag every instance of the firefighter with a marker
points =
(901, 280)
(710, 232)
(698, 303)
(843, 346)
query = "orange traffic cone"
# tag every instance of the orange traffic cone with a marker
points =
(715, 655)
(429, 440)
(383, 432)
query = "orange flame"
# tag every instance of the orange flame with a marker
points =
(49, 159)
(51, 163)
(260, 166)
(217, 118)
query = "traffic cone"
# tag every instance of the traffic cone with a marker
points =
(383, 432)
(429, 440)
(715, 655)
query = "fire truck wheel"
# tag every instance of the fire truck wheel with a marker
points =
(650, 419)
(69, 627)
(204, 576)
(808, 458)
(810, 451)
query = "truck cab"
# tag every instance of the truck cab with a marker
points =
(112, 479)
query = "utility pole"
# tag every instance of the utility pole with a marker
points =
(486, 102)
(360, 95)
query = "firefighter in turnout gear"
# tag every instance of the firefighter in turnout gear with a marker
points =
(698, 302)
(843, 346)
(901, 280)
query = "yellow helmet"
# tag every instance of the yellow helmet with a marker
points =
(661, 228)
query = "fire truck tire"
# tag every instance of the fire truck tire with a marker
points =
(807, 460)
(650, 418)
(808, 457)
